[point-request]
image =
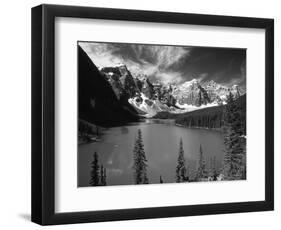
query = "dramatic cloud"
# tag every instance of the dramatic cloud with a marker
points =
(172, 64)
(101, 54)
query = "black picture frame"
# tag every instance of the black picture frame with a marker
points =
(43, 114)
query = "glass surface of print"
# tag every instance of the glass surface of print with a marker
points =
(152, 114)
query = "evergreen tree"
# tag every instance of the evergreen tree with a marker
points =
(210, 167)
(213, 168)
(181, 171)
(244, 172)
(201, 170)
(145, 178)
(140, 161)
(102, 175)
(95, 177)
(161, 180)
(234, 151)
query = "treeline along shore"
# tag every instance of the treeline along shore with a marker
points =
(208, 118)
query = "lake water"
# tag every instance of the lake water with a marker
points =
(161, 143)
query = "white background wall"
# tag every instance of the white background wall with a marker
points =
(15, 113)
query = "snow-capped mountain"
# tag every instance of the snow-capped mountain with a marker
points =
(121, 80)
(199, 93)
(218, 92)
(149, 98)
(146, 97)
(191, 93)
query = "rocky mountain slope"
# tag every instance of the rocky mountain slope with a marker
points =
(150, 98)
(199, 93)
(147, 98)
(110, 93)
(99, 102)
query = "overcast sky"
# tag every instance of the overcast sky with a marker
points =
(173, 64)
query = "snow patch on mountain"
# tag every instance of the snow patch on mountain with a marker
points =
(150, 107)
(141, 104)
(150, 98)
(188, 108)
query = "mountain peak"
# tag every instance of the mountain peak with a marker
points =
(194, 92)
(211, 82)
(188, 84)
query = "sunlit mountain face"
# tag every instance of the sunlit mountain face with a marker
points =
(169, 78)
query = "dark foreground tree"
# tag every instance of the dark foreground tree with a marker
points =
(161, 180)
(98, 173)
(234, 165)
(102, 176)
(201, 173)
(95, 177)
(140, 161)
(213, 168)
(181, 170)
(145, 178)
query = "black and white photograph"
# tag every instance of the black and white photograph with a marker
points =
(150, 114)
